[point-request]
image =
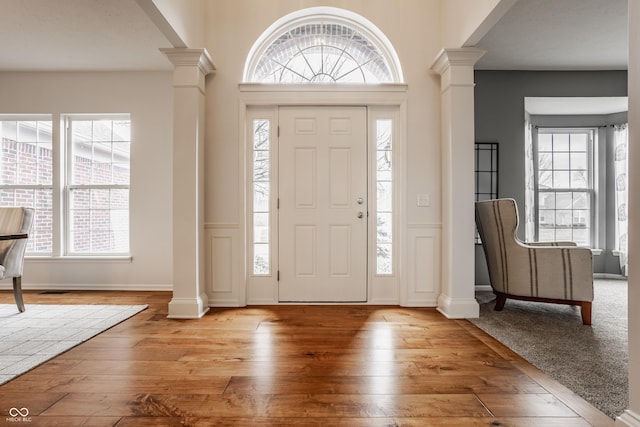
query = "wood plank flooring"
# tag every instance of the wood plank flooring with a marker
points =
(288, 366)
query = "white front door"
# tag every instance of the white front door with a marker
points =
(322, 204)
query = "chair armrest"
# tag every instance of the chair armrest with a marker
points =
(555, 272)
(14, 236)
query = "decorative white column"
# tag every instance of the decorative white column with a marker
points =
(190, 68)
(455, 66)
(631, 417)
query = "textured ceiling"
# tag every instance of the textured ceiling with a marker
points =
(83, 35)
(78, 35)
(558, 35)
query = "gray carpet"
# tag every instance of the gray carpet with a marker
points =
(591, 361)
(44, 331)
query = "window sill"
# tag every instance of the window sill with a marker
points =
(96, 258)
(596, 251)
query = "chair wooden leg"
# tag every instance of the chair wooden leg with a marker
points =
(501, 299)
(17, 293)
(585, 309)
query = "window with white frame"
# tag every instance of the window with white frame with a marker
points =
(322, 52)
(26, 173)
(323, 45)
(261, 215)
(565, 185)
(81, 199)
(97, 189)
(384, 196)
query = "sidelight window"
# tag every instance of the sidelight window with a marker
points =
(261, 214)
(384, 196)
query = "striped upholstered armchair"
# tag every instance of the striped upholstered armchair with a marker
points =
(15, 224)
(558, 272)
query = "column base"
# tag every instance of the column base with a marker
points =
(459, 308)
(187, 308)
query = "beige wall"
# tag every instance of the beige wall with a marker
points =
(632, 417)
(465, 22)
(413, 29)
(148, 97)
(184, 17)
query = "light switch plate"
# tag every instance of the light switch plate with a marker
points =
(422, 200)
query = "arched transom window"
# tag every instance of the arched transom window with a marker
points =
(323, 45)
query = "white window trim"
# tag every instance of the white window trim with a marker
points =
(270, 114)
(264, 290)
(374, 115)
(61, 173)
(67, 187)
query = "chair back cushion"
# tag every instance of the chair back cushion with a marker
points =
(497, 221)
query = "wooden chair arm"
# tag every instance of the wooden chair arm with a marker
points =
(14, 236)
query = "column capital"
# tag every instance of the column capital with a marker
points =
(184, 57)
(461, 57)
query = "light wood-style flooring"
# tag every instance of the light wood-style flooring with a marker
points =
(288, 366)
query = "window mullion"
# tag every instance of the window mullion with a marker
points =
(58, 142)
(98, 186)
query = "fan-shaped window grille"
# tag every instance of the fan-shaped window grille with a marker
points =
(323, 46)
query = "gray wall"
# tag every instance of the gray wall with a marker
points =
(499, 117)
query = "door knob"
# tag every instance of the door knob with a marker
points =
(360, 200)
(360, 214)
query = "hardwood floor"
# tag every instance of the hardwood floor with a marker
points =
(288, 366)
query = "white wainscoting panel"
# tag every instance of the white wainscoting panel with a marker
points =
(423, 265)
(223, 265)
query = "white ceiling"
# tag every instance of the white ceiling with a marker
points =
(82, 35)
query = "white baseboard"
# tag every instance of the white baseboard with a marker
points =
(628, 419)
(187, 308)
(90, 287)
(459, 308)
